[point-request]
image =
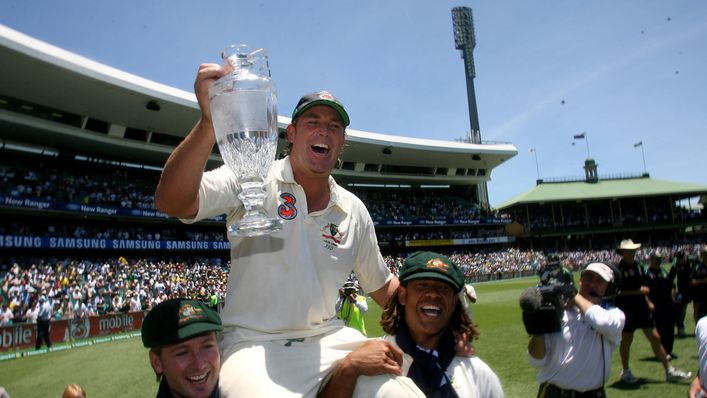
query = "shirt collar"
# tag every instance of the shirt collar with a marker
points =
(283, 173)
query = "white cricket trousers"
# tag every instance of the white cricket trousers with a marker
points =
(297, 367)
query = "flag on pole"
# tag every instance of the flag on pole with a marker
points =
(532, 150)
(639, 143)
(579, 136)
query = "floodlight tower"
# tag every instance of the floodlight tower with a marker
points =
(465, 40)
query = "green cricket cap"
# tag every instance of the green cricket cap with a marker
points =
(320, 98)
(431, 265)
(175, 320)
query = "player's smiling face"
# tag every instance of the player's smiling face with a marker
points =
(190, 367)
(429, 305)
(317, 138)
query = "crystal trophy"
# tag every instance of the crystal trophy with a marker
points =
(244, 114)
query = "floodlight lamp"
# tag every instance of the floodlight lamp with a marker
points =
(463, 23)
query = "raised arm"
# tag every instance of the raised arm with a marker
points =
(177, 193)
(382, 295)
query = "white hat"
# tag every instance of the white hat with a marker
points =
(627, 244)
(602, 270)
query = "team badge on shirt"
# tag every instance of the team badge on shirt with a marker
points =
(332, 236)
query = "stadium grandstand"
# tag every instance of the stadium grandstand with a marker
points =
(81, 149)
(596, 211)
(83, 141)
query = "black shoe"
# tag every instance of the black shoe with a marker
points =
(673, 355)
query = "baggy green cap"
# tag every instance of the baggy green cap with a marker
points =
(178, 319)
(431, 265)
(320, 98)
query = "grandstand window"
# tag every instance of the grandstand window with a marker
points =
(461, 172)
(164, 139)
(39, 111)
(434, 186)
(347, 166)
(96, 125)
(393, 169)
(371, 167)
(482, 172)
(28, 148)
(135, 134)
(441, 171)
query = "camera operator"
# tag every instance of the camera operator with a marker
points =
(543, 305)
(350, 307)
(554, 273)
(576, 361)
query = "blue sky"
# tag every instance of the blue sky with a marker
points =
(621, 71)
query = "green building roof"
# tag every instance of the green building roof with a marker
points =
(604, 189)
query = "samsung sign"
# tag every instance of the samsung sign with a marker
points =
(37, 242)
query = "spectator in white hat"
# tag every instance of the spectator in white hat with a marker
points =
(633, 301)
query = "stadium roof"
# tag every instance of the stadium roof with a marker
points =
(644, 186)
(53, 98)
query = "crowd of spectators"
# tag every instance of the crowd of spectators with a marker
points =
(80, 288)
(400, 236)
(576, 217)
(407, 205)
(100, 183)
(74, 181)
(486, 265)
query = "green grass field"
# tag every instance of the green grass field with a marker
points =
(121, 368)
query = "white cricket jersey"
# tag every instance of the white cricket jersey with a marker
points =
(287, 283)
(701, 338)
(470, 376)
(579, 357)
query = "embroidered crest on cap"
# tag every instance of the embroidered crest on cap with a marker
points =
(326, 95)
(437, 263)
(187, 312)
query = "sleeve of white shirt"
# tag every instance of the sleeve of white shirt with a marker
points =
(486, 380)
(339, 303)
(609, 323)
(370, 266)
(701, 339)
(362, 304)
(218, 192)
